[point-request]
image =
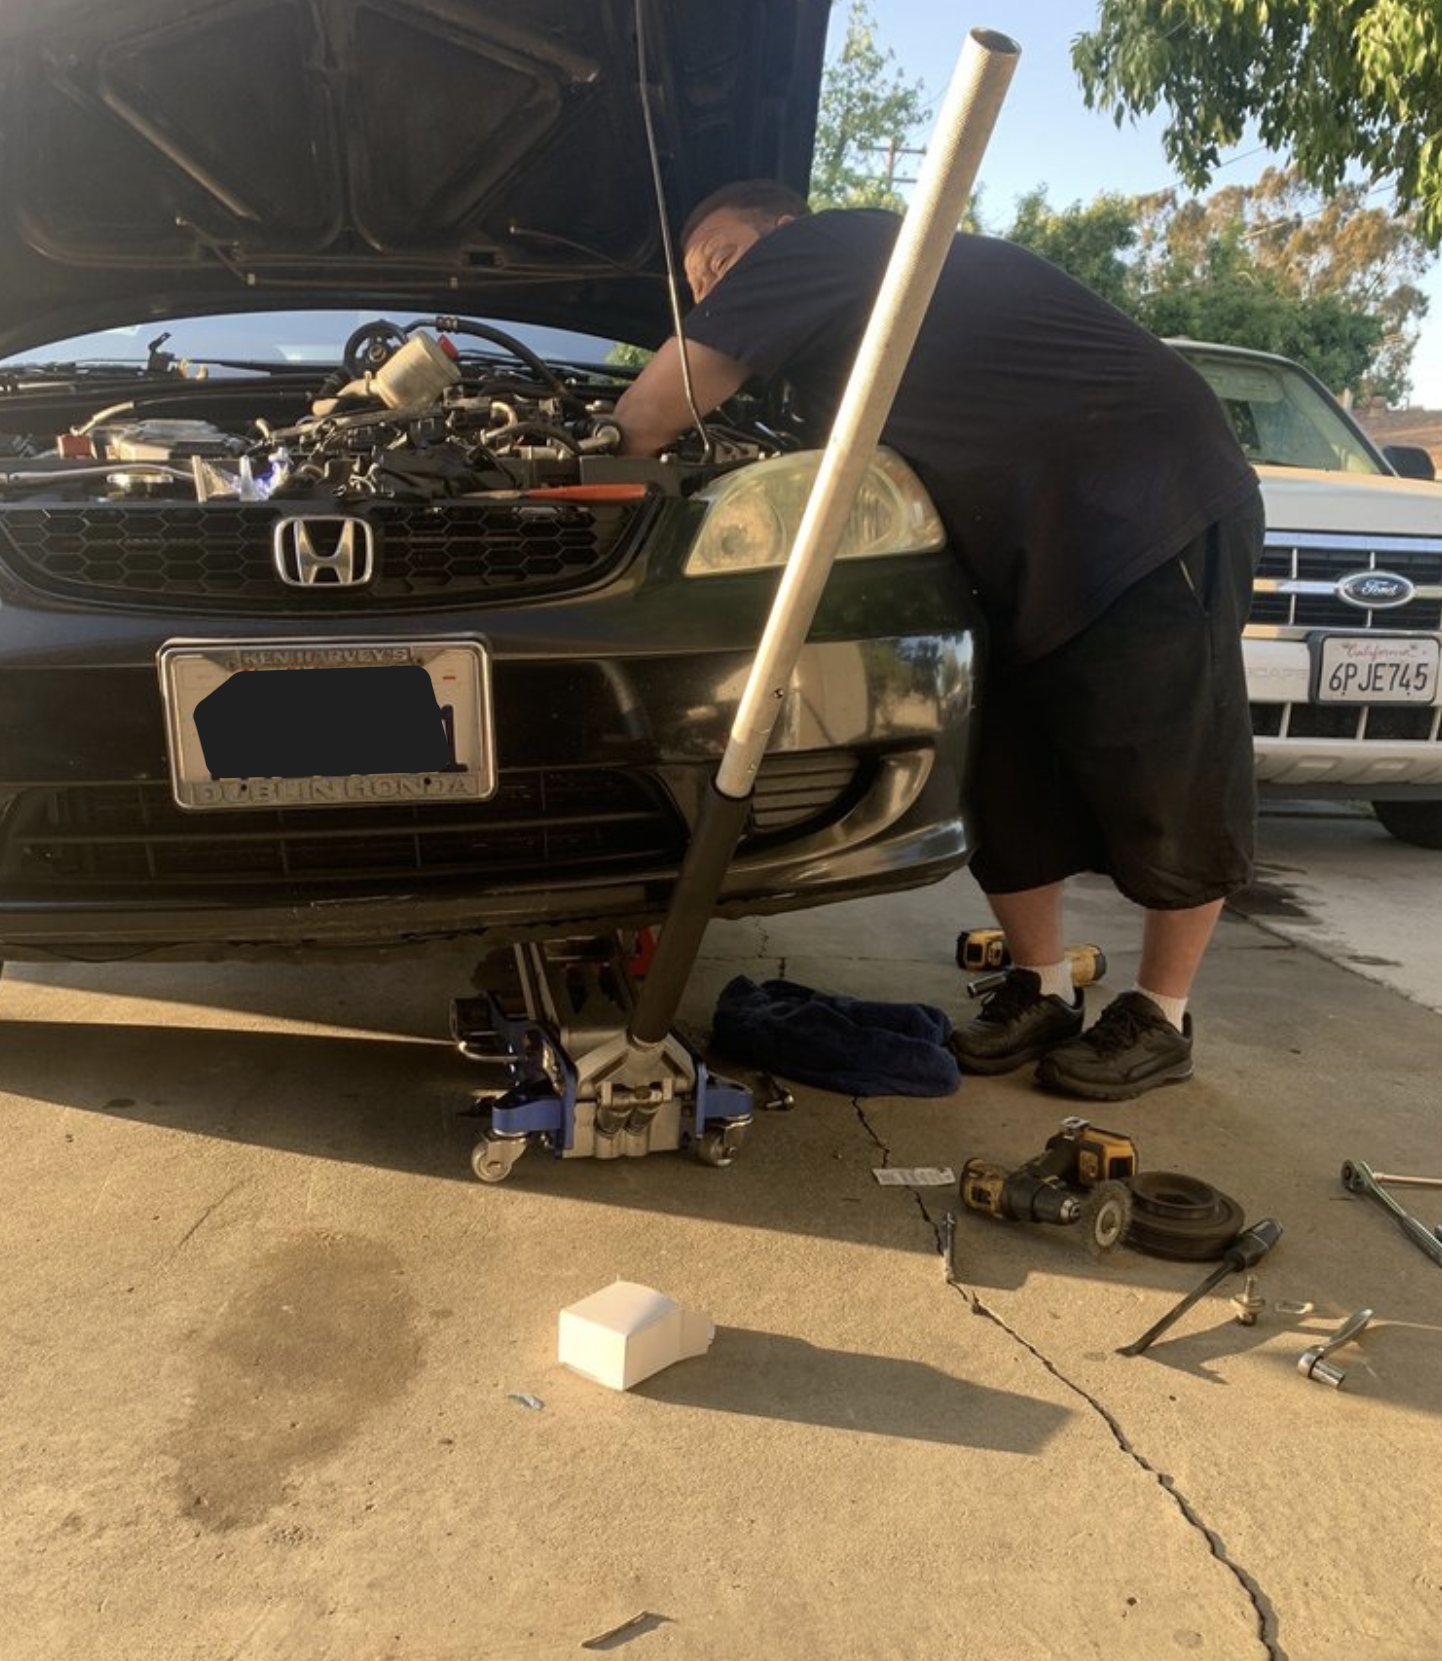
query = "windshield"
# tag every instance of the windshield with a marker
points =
(272, 340)
(1281, 418)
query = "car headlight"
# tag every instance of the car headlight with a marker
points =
(754, 513)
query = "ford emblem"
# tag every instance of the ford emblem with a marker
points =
(1375, 590)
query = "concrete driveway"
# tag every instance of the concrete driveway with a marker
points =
(279, 1376)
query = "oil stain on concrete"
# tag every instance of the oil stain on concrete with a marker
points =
(319, 1338)
(1268, 895)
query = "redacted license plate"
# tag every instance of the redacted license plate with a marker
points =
(1374, 669)
(327, 723)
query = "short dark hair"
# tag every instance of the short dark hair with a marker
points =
(759, 201)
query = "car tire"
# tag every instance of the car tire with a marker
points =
(1419, 823)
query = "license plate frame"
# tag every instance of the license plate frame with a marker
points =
(1360, 669)
(459, 669)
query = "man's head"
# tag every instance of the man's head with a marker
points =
(728, 222)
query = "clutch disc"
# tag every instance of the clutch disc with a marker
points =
(1181, 1217)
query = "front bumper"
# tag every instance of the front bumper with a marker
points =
(1341, 751)
(607, 733)
(1312, 588)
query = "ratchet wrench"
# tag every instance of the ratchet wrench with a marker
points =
(1358, 1176)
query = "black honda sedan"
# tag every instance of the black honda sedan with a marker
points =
(331, 618)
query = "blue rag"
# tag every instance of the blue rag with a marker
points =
(852, 1045)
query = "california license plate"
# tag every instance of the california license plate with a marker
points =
(1374, 669)
(327, 723)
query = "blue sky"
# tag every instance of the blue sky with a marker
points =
(1045, 135)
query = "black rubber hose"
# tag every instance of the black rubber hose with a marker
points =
(499, 337)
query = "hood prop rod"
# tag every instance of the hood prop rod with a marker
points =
(983, 73)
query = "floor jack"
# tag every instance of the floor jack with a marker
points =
(551, 1022)
(589, 1063)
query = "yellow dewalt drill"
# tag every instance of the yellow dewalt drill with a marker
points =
(1081, 1176)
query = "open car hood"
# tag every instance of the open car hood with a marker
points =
(443, 155)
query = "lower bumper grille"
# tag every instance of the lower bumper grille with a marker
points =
(1382, 724)
(804, 790)
(539, 826)
(546, 826)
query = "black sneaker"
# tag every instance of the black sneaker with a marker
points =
(1131, 1048)
(1016, 1025)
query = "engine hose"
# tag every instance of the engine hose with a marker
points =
(499, 337)
(498, 390)
(532, 429)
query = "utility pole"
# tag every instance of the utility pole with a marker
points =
(893, 152)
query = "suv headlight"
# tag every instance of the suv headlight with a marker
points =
(754, 513)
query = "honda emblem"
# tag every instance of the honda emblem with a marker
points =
(336, 550)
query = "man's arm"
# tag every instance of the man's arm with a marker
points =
(653, 409)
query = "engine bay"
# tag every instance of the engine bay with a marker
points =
(441, 408)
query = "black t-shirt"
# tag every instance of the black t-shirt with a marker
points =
(1068, 451)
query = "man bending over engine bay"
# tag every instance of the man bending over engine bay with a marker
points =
(1110, 523)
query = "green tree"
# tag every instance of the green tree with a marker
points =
(1327, 279)
(1336, 84)
(626, 356)
(867, 117)
(1230, 298)
(1092, 242)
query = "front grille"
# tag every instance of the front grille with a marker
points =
(174, 554)
(1296, 590)
(1296, 582)
(540, 826)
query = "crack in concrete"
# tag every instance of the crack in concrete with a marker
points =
(865, 1124)
(203, 1219)
(1267, 1627)
(1261, 1604)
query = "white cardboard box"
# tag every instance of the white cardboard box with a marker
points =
(626, 1332)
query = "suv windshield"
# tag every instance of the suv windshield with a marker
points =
(1281, 418)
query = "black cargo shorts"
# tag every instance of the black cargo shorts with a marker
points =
(1128, 750)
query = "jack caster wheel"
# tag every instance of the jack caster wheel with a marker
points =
(493, 1157)
(721, 1145)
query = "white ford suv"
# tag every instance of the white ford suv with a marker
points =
(1345, 633)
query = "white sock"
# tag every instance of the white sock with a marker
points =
(1173, 1008)
(1056, 979)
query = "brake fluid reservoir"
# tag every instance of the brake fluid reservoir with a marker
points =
(415, 375)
